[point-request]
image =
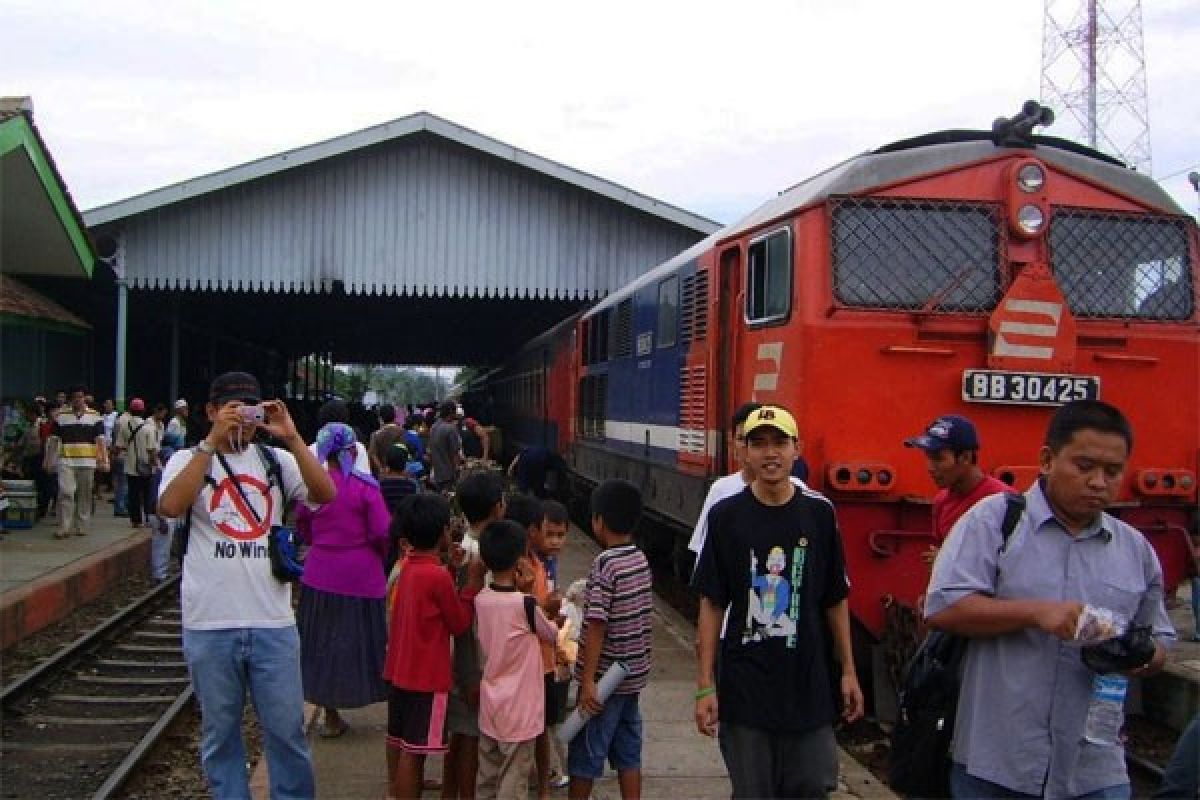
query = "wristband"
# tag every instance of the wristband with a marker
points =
(707, 691)
(205, 447)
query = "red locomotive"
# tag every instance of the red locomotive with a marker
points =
(992, 274)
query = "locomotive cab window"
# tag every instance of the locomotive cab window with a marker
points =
(668, 312)
(769, 277)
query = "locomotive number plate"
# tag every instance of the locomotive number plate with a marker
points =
(1027, 388)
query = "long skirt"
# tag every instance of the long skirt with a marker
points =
(343, 641)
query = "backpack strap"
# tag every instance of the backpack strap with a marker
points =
(1014, 507)
(531, 613)
(274, 474)
(179, 544)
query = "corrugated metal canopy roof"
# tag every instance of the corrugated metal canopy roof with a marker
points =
(387, 131)
(418, 206)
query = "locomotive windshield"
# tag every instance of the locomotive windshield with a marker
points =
(916, 254)
(1122, 265)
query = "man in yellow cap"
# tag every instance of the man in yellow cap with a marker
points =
(774, 571)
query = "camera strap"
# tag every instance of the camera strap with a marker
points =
(237, 485)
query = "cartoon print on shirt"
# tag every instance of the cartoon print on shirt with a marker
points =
(769, 608)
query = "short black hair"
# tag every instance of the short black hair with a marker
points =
(411, 421)
(424, 521)
(447, 410)
(397, 457)
(79, 387)
(333, 411)
(618, 503)
(524, 509)
(387, 413)
(742, 414)
(501, 543)
(1087, 415)
(555, 512)
(477, 494)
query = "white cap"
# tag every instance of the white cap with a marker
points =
(181, 403)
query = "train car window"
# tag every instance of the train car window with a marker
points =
(1133, 266)
(916, 254)
(668, 312)
(769, 277)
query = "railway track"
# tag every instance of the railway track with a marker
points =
(80, 723)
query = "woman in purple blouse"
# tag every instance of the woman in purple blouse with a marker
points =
(343, 630)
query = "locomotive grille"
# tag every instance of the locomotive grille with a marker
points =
(692, 402)
(916, 254)
(622, 331)
(693, 315)
(1112, 264)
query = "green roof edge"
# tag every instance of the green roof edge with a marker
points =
(18, 132)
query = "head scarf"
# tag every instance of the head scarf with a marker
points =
(337, 439)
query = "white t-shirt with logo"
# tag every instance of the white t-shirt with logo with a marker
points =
(227, 580)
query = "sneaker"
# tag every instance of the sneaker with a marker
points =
(560, 782)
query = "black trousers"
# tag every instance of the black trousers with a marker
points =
(141, 497)
(45, 483)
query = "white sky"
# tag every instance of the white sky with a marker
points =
(711, 106)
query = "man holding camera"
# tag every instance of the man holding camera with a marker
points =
(239, 629)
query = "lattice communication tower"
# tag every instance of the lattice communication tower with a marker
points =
(1094, 76)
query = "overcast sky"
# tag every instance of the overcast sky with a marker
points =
(714, 107)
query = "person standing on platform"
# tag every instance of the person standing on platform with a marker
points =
(1033, 717)
(773, 586)
(951, 448)
(427, 611)
(480, 495)
(138, 440)
(734, 483)
(616, 627)
(381, 440)
(176, 435)
(343, 627)
(510, 625)
(82, 450)
(445, 449)
(239, 632)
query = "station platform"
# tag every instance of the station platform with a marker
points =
(43, 579)
(676, 760)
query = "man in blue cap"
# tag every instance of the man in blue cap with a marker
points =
(951, 447)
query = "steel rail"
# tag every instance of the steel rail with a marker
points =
(79, 647)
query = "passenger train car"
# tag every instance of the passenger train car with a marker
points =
(992, 274)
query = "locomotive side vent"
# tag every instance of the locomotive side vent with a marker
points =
(622, 346)
(916, 254)
(1110, 264)
(692, 401)
(693, 322)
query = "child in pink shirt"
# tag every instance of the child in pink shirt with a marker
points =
(512, 692)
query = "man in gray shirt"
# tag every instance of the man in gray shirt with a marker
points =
(1026, 692)
(445, 448)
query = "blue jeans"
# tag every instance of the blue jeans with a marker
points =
(120, 488)
(223, 665)
(614, 734)
(963, 785)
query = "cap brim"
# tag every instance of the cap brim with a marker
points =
(249, 400)
(924, 443)
(762, 426)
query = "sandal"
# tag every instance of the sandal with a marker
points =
(326, 732)
(431, 784)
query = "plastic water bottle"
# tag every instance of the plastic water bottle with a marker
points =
(1106, 709)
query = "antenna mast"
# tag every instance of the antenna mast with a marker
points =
(1094, 75)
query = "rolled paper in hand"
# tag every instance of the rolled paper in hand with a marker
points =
(608, 684)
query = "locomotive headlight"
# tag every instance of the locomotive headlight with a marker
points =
(1030, 219)
(1031, 178)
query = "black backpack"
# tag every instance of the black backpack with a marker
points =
(919, 762)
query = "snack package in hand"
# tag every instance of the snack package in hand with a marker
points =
(1099, 625)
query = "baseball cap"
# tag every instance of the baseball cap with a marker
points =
(772, 417)
(181, 403)
(235, 386)
(137, 404)
(948, 432)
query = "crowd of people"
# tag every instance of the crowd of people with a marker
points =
(429, 585)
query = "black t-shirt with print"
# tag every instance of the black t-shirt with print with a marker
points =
(776, 570)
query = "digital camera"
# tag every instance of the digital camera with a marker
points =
(253, 415)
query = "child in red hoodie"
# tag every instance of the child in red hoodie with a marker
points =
(427, 612)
